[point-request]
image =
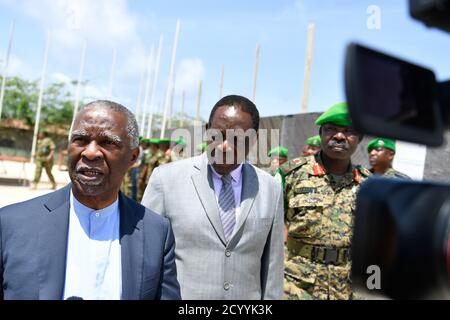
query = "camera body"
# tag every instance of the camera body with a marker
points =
(401, 228)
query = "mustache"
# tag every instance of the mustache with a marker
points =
(82, 168)
(339, 144)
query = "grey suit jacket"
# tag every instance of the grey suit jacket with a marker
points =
(33, 245)
(250, 265)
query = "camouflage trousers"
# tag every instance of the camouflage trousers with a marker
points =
(47, 165)
(306, 280)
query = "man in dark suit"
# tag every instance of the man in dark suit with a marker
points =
(88, 240)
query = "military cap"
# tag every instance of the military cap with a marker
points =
(381, 142)
(165, 140)
(43, 130)
(314, 141)
(337, 114)
(181, 141)
(154, 141)
(280, 151)
(202, 146)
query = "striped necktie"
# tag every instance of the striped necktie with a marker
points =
(227, 206)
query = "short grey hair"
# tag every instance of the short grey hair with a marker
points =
(132, 125)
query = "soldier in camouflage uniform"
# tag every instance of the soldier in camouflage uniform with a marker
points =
(44, 158)
(320, 193)
(149, 162)
(164, 156)
(278, 156)
(381, 155)
(312, 146)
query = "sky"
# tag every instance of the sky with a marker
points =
(213, 33)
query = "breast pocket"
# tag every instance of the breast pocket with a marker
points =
(307, 214)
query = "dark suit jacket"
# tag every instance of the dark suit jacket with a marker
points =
(33, 243)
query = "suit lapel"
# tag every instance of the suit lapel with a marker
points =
(205, 190)
(52, 243)
(132, 247)
(248, 195)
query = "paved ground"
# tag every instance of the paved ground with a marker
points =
(13, 175)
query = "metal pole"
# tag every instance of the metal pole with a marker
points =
(199, 98)
(5, 68)
(171, 104)
(155, 81)
(112, 74)
(308, 63)
(78, 90)
(221, 82)
(183, 96)
(170, 82)
(139, 98)
(255, 73)
(41, 94)
(147, 88)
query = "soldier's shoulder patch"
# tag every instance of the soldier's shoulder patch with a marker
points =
(363, 171)
(292, 165)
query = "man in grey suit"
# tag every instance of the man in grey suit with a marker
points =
(87, 240)
(227, 215)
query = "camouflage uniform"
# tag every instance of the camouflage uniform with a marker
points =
(392, 173)
(164, 157)
(44, 148)
(126, 184)
(319, 218)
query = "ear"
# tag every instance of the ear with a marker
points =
(390, 155)
(134, 155)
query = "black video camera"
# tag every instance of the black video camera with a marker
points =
(402, 228)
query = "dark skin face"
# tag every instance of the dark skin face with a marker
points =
(338, 145)
(310, 150)
(41, 136)
(233, 121)
(99, 156)
(381, 159)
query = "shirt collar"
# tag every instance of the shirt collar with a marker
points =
(81, 209)
(236, 174)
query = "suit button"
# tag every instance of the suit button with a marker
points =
(228, 253)
(226, 286)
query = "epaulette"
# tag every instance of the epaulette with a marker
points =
(291, 165)
(365, 172)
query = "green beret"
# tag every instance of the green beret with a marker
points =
(381, 142)
(154, 141)
(279, 151)
(202, 146)
(141, 138)
(181, 141)
(147, 141)
(43, 130)
(165, 140)
(314, 141)
(337, 114)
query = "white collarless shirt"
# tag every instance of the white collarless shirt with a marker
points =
(93, 261)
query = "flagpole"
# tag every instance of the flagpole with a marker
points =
(255, 72)
(221, 82)
(147, 88)
(155, 82)
(5, 69)
(308, 64)
(170, 82)
(112, 74)
(41, 94)
(78, 90)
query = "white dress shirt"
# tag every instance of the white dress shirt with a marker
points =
(93, 263)
(236, 184)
